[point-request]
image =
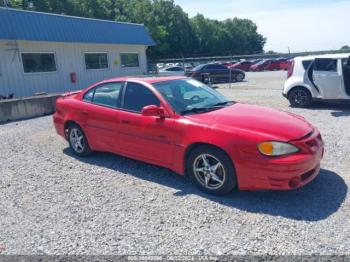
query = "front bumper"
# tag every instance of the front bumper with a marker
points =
(285, 173)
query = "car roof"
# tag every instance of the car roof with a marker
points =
(335, 56)
(168, 67)
(145, 79)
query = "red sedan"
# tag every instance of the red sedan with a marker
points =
(245, 65)
(285, 65)
(181, 124)
(269, 65)
(273, 65)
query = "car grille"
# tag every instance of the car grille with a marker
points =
(307, 175)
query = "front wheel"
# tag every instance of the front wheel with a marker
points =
(77, 141)
(300, 97)
(211, 170)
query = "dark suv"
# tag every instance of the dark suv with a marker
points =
(216, 73)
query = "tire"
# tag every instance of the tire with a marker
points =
(217, 177)
(239, 77)
(300, 97)
(233, 79)
(78, 141)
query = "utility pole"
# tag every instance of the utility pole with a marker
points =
(288, 50)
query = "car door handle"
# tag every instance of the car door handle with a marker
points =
(84, 113)
(125, 122)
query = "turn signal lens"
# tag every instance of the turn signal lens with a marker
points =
(266, 148)
(276, 148)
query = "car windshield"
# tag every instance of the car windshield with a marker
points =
(198, 68)
(190, 96)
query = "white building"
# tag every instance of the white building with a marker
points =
(49, 53)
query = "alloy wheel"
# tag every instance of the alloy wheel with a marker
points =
(209, 171)
(299, 97)
(239, 77)
(77, 140)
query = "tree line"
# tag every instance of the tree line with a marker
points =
(175, 33)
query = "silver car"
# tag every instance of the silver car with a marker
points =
(325, 77)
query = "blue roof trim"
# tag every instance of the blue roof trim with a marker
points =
(34, 26)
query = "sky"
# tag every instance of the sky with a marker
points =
(309, 25)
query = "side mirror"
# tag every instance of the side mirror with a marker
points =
(153, 110)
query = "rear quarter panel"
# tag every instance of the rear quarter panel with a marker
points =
(299, 79)
(66, 110)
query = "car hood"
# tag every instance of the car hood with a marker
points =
(270, 123)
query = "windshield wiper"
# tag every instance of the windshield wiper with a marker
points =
(207, 109)
(223, 103)
(198, 110)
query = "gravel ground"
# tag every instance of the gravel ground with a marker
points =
(54, 203)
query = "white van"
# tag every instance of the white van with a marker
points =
(324, 77)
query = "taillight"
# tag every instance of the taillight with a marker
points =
(290, 69)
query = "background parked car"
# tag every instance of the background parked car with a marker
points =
(324, 77)
(244, 65)
(172, 70)
(274, 64)
(228, 63)
(285, 64)
(260, 66)
(188, 66)
(218, 73)
(160, 65)
(267, 64)
(256, 61)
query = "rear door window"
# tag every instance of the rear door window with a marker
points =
(105, 95)
(306, 64)
(326, 64)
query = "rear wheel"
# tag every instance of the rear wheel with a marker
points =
(239, 77)
(77, 141)
(211, 170)
(300, 97)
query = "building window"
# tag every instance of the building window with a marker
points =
(129, 60)
(39, 62)
(96, 60)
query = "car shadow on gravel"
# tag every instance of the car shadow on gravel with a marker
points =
(315, 201)
(340, 109)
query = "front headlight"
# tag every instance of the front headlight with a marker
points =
(272, 148)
